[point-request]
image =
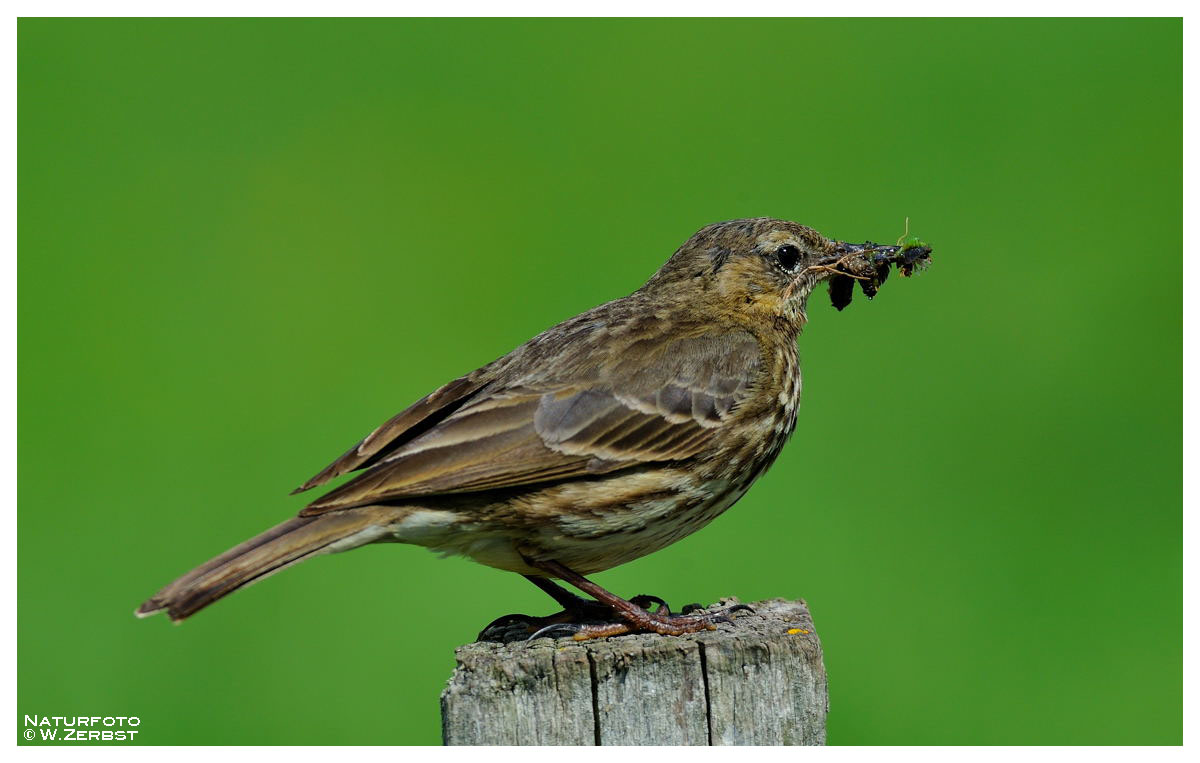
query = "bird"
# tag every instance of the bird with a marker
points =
(603, 439)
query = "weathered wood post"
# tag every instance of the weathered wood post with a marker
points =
(760, 681)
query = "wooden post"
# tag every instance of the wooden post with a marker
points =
(759, 681)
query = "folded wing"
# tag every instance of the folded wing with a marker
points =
(640, 406)
(403, 427)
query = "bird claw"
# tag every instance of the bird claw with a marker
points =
(696, 619)
(518, 627)
(691, 609)
(595, 620)
(727, 615)
(555, 630)
(495, 630)
(644, 600)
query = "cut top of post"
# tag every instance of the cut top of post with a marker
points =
(758, 681)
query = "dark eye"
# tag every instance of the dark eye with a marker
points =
(788, 256)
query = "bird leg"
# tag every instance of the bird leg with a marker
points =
(634, 615)
(573, 603)
(576, 610)
(565, 598)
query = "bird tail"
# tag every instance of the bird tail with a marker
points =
(263, 555)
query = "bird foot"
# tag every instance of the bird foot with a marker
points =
(517, 627)
(580, 612)
(639, 620)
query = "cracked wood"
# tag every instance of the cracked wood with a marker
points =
(760, 681)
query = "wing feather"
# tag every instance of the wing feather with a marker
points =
(399, 429)
(535, 430)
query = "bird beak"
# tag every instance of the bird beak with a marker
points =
(874, 260)
(879, 253)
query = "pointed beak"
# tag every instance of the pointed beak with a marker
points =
(877, 254)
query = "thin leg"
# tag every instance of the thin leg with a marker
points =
(608, 615)
(635, 617)
(565, 598)
(576, 609)
(571, 602)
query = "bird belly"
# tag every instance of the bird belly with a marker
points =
(587, 525)
(593, 544)
(455, 533)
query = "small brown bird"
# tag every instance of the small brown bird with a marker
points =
(601, 440)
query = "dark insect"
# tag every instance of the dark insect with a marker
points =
(870, 264)
(911, 257)
(881, 273)
(841, 290)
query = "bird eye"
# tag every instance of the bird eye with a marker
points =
(788, 256)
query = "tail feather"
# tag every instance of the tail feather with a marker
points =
(263, 555)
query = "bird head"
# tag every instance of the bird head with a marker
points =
(761, 271)
(756, 269)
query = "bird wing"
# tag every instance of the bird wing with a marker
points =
(401, 428)
(654, 401)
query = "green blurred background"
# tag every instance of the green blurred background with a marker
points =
(243, 244)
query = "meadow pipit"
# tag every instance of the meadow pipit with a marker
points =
(605, 438)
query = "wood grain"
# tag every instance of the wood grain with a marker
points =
(758, 681)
